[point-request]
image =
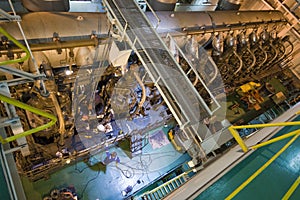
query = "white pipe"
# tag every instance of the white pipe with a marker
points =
(28, 47)
(60, 118)
(134, 67)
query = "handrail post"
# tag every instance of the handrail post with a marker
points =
(153, 12)
(238, 138)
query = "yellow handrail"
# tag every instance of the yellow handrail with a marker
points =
(259, 171)
(19, 45)
(241, 142)
(166, 183)
(31, 109)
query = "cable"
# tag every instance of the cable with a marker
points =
(89, 181)
(126, 172)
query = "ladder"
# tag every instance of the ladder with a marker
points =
(166, 188)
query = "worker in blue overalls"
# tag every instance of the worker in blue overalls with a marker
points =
(111, 157)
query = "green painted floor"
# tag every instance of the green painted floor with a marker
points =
(93, 183)
(272, 183)
(3, 186)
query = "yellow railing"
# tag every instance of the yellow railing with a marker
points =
(183, 175)
(240, 141)
(260, 170)
(31, 109)
(296, 133)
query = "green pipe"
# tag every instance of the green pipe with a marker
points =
(31, 109)
(19, 45)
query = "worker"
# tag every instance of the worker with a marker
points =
(111, 157)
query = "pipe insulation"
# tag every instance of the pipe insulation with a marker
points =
(42, 27)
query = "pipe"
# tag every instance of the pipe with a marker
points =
(31, 109)
(53, 46)
(60, 116)
(176, 23)
(28, 47)
(253, 63)
(216, 71)
(195, 81)
(217, 44)
(143, 99)
(241, 62)
(46, 5)
(265, 56)
(274, 56)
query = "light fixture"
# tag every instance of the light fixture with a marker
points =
(191, 164)
(69, 71)
(68, 161)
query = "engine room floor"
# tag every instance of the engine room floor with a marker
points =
(237, 173)
(93, 180)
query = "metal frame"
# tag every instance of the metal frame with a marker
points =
(199, 78)
(31, 109)
(7, 17)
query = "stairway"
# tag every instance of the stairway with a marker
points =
(166, 188)
(172, 82)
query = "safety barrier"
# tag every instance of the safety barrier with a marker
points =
(31, 109)
(240, 141)
(166, 188)
(260, 170)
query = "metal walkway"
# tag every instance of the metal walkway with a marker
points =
(175, 87)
